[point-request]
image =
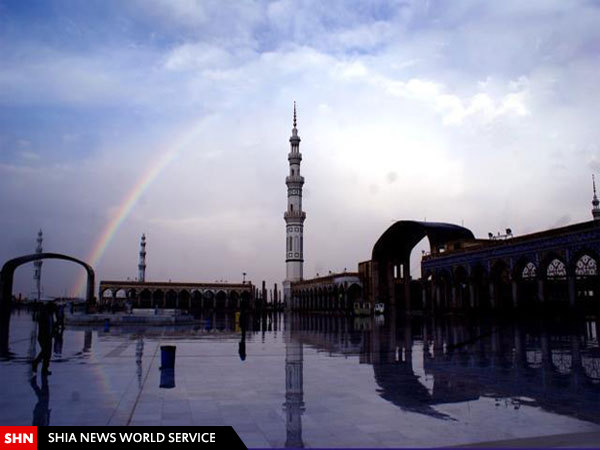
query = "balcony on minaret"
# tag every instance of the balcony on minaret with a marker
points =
(294, 215)
(295, 179)
(295, 157)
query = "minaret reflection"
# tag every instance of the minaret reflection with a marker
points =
(294, 387)
(139, 353)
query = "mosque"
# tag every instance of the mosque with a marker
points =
(552, 267)
(556, 267)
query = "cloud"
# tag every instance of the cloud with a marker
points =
(482, 112)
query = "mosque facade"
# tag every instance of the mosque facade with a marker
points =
(556, 266)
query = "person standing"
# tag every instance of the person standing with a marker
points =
(45, 332)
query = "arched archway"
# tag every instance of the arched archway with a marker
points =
(461, 278)
(145, 299)
(8, 271)
(233, 300)
(500, 288)
(158, 297)
(196, 300)
(587, 282)
(220, 300)
(184, 299)
(209, 300)
(480, 280)
(525, 274)
(391, 256)
(554, 272)
(171, 299)
(6, 286)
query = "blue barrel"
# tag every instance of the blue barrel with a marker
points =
(167, 378)
(167, 356)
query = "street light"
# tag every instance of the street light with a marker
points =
(244, 279)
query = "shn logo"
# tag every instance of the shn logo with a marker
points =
(18, 438)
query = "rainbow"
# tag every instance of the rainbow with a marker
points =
(130, 200)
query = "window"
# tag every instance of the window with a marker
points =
(586, 267)
(529, 271)
(556, 270)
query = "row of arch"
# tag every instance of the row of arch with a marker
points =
(336, 297)
(176, 298)
(553, 278)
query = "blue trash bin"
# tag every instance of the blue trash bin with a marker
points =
(167, 378)
(167, 356)
(106, 325)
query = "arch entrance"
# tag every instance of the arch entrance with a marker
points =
(6, 285)
(391, 256)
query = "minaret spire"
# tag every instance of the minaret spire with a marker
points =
(294, 114)
(142, 262)
(294, 216)
(595, 201)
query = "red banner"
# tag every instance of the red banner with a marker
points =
(18, 438)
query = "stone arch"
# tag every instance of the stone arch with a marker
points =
(525, 275)
(145, 299)
(103, 294)
(500, 284)
(6, 286)
(480, 282)
(354, 293)
(554, 272)
(8, 270)
(171, 299)
(209, 299)
(233, 300)
(158, 297)
(391, 256)
(196, 299)
(461, 285)
(584, 267)
(221, 300)
(444, 282)
(184, 299)
(320, 299)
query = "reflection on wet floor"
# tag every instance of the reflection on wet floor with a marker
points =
(318, 380)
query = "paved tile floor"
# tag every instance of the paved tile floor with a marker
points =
(113, 378)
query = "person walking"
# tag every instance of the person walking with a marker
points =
(45, 332)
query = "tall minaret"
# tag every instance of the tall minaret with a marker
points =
(142, 263)
(294, 216)
(595, 202)
(37, 270)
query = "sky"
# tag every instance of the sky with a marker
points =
(469, 112)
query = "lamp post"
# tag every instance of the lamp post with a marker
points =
(244, 279)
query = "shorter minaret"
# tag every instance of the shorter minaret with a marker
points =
(142, 263)
(595, 202)
(37, 270)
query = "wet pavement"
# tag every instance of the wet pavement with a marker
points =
(320, 381)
